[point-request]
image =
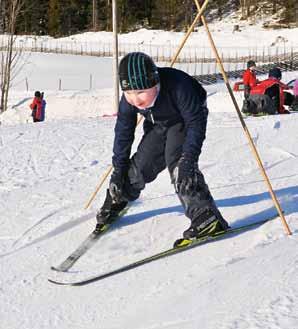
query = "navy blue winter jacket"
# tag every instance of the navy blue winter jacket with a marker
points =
(181, 99)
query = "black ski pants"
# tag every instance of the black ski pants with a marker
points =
(161, 148)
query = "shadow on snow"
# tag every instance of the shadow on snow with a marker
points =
(289, 205)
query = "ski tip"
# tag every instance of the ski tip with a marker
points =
(66, 283)
(57, 269)
(57, 282)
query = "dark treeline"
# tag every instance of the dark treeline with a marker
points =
(66, 17)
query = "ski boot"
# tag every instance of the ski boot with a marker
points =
(207, 223)
(108, 212)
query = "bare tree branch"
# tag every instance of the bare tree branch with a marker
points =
(9, 58)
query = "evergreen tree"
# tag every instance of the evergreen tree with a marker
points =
(54, 19)
(33, 17)
(3, 16)
(104, 15)
(65, 17)
(73, 17)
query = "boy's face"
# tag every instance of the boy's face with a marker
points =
(141, 98)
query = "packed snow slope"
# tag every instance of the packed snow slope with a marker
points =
(48, 172)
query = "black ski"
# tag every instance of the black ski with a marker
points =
(91, 239)
(181, 245)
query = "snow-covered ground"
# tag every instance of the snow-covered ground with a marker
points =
(49, 170)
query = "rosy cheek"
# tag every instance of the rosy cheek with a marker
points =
(138, 102)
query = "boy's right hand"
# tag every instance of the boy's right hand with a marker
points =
(116, 185)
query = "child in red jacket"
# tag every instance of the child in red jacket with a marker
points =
(249, 78)
(270, 96)
(38, 107)
(250, 81)
(276, 90)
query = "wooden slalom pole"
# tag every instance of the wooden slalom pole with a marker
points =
(251, 143)
(104, 177)
(108, 171)
(198, 16)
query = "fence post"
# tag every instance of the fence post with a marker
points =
(90, 82)
(59, 84)
(27, 86)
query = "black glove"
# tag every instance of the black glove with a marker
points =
(185, 175)
(116, 184)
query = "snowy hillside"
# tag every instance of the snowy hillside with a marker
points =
(49, 170)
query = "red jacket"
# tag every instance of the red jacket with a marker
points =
(250, 78)
(37, 106)
(264, 85)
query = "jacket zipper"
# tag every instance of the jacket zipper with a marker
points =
(151, 116)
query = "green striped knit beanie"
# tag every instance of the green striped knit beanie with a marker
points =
(137, 71)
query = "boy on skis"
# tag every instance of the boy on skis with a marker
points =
(173, 105)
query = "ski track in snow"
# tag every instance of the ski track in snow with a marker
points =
(36, 225)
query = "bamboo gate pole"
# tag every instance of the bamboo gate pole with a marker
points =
(108, 171)
(197, 18)
(251, 143)
(104, 177)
